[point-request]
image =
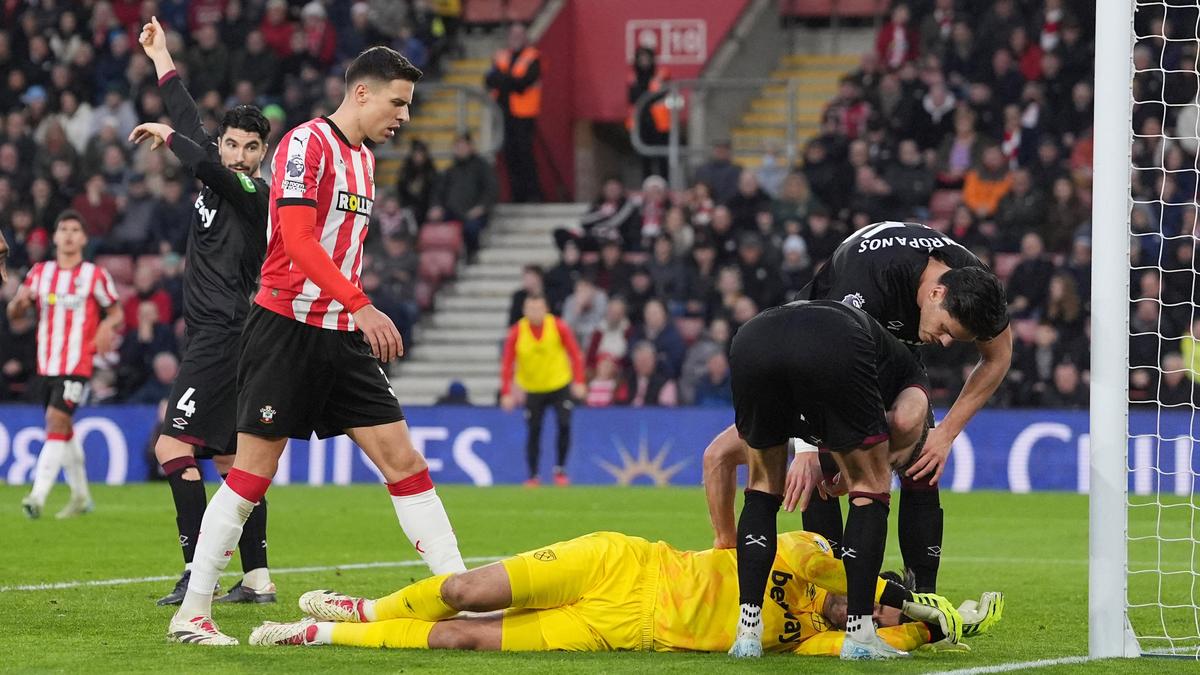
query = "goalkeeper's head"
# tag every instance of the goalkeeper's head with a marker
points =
(966, 304)
(242, 141)
(834, 610)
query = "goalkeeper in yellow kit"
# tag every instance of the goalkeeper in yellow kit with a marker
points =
(608, 591)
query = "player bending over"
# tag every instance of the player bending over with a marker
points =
(608, 591)
(70, 294)
(227, 240)
(313, 341)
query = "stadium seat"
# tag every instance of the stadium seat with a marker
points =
(119, 266)
(1004, 265)
(437, 265)
(689, 327)
(152, 261)
(862, 8)
(425, 292)
(943, 203)
(483, 11)
(441, 237)
(523, 10)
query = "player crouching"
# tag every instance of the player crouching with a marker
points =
(613, 592)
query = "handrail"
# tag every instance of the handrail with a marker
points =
(490, 138)
(673, 149)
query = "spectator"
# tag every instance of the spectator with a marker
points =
(515, 80)
(353, 39)
(169, 231)
(612, 216)
(467, 191)
(760, 280)
(897, 42)
(933, 119)
(796, 269)
(208, 62)
(584, 309)
(1022, 207)
(257, 63)
(560, 279)
(277, 29)
(1033, 364)
(682, 235)
(723, 235)
(821, 236)
(827, 176)
(773, 170)
(1067, 392)
(701, 278)
(700, 203)
(936, 28)
(603, 386)
(1030, 280)
(612, 273)
(532, 283)
(658, 329)
(610, 339)
(647, 384)
(97, 206)
(795, 200)
(456, 394)
(850, 110)
(1187, 345)
(714, 340)
(158, 387)
(18, 356)
(714, 390)
(747, 202)
(720, 174)
(1064, 307)
(134, 231)
(985, 186)
(319, 38)
(1175, 388)
(958, 153)
(652, 206)
(910, 183)
(1075, 116)
(140, 347)
(146, 287)
(418, 177)
(667, 273)
(411, 46)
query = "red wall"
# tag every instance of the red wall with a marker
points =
(585, 64)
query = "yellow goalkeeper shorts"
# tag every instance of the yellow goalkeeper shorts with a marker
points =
(592, 593)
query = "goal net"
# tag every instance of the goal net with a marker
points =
(1144, 220)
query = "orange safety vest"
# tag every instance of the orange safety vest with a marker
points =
(542, 365)
(659, 112)
(527, 103)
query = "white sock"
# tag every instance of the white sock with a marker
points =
(257, 579)
(49, 462)
(76, 469)
(750, 623)
(424, 521)
(219, 533)
(860, 628)
(324, 634)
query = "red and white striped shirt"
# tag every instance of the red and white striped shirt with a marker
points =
(315, 165)
(69, 301)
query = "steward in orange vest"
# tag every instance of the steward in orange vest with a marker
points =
(515, 82)
(654, 122)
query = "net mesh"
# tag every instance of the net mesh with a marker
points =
(1163, 595)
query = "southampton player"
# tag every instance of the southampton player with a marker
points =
(227, 240)
(70, 295)
(924, 288)
(313, 341)
(608, 591)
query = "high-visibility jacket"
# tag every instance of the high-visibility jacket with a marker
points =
(660, 114)
(526, 103)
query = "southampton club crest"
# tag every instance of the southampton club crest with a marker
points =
(855, 300)
(266, 414)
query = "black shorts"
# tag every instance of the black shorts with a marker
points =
(202, 407)
(808, 371)
(295, 380)
(64, 393)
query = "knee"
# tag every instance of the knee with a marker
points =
(459, 591)
(908, 422)
(452, 635)
(57, 422)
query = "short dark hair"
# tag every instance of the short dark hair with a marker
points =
(247, 118)
(70, 214)
(535, 296)
(975, 298)
(382, 63)
(534, 269)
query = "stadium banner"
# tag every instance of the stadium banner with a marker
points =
(1013, 450)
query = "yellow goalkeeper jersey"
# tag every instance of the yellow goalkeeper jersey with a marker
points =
(697, 604)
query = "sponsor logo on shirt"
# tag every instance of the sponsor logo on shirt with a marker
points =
(348, 201)
(791, 623)
(855, 300)
(294, 185)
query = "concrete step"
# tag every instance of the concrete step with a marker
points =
(814, 72)
(484, 288)
(524, 240)
(471, 320)
(497, 271)
(529, 224)
(779, 105)
(456, 335)
(437, 385)
(516, 255)
(467, 303)
(762, 119)
(449, 368)
(459, 353)
(822, 87)
(542, 210)
(844, 60)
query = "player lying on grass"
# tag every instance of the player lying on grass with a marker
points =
(613, 592)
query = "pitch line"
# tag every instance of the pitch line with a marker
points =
(1019, 665)
(128, 581)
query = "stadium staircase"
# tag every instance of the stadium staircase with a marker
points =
(462, 338)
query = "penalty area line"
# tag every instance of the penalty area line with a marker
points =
(1018, 665)
(129, 581)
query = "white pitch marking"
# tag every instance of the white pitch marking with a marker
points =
(282, 570)
(1020, 665)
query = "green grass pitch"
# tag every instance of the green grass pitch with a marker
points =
(1032, 547)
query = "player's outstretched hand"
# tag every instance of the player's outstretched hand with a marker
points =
(152, 130)
(803, 476)
(153, 38)
(379, 332)
(933, 457)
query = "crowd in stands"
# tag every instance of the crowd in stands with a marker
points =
(972, 117)
(76, 83)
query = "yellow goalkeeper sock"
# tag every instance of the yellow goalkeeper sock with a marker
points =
(393, 634)
(422, 600)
